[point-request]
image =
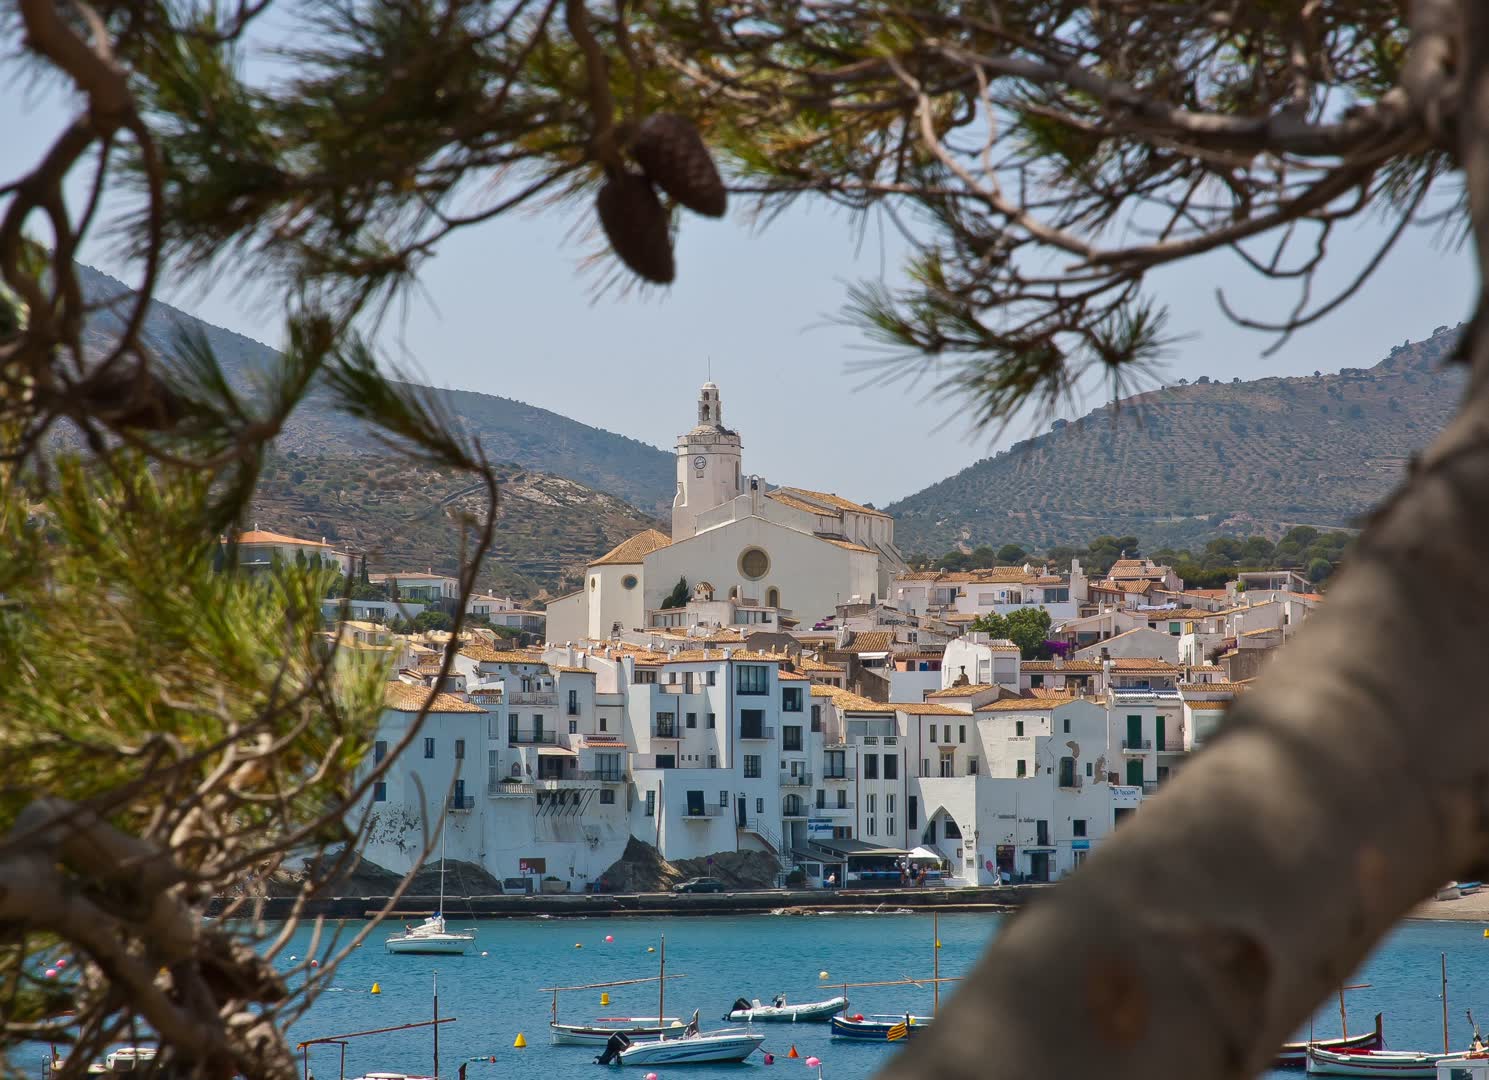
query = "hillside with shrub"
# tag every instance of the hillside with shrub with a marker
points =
(1177, 465)
(404, 516)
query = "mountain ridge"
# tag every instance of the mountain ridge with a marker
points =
(510, 430)
(1182, 463)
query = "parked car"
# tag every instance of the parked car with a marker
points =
(699, 884)
(516, 886)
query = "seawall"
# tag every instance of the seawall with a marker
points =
(802, 901)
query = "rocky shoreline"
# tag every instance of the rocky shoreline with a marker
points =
(798, 902)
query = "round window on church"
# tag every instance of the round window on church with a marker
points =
(754, 563)
(628, 582)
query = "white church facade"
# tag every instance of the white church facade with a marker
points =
(792, 550)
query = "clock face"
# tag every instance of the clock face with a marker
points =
(699, 462)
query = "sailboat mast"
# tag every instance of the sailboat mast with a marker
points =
(436, 1025)
(936, 960)
(1343, 1018)
(662, 985)
(441, 911)
(1445, 1003)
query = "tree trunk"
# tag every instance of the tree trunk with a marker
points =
(1346, 788)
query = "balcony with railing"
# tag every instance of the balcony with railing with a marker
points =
(498, 789)
(665, 729)
(803, 779)
(756, 731)
(458, 804)
(708, 811)
(834, 808)
(604, 776)
(532, 697)
(1136, 746)
(532, 737)
(845, 772)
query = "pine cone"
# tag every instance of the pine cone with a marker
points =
(672, 155)
(636, 226)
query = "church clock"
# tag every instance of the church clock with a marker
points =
(699, 462)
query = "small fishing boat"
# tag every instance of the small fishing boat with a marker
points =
(1396, 1063)
(692, 1047)
(879, 1028)
(598, 1031)
(1294, 1055)
(1379, 1063)
(780, 1010)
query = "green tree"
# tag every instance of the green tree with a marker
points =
(1319, 569)
(426, 621)
(679, 595)
(1027, 627)
(1010, 554)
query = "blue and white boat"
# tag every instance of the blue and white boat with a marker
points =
(880, 1027)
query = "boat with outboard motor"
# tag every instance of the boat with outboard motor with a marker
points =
(692, 1047)
(781, 1011)
(880, 1027)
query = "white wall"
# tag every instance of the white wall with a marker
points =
(812, 575)
(568, 616)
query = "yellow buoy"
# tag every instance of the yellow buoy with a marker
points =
(821, 974)
(1486, 933)
(519, 1043)
(651, 948)
(938, 944)
(604, 998)
(577, 945)
(377, 988)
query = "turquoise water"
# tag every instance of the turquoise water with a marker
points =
(495, 996)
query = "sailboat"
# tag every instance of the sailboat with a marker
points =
(689, 1047)
(431, 936)
(895, 1026)
(1412, 1064)
(340, 1041)
(598, 1032)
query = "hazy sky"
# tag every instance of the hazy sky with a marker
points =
(504, 310)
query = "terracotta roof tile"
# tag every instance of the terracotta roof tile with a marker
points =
(836, 502)
(485, 654)
(633, 550)
(404, 697)
(1078, 667)
(847, 544)
(926, 708)
(870, 641)
(1213, 688)
(1026, 704)
(847, 701)
(261, 536)
(792, 676)
(969, 690)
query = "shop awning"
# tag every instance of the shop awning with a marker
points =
(556, 751)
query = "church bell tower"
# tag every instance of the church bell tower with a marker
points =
(708, 465)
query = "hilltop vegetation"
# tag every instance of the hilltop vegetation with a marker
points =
(509, 430)
(1179, 464)
(1316, 553)
(401, 515)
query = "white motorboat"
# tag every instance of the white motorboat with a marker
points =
(130, 1059)
(692, 1047)
(782, 1011)
(431, 936)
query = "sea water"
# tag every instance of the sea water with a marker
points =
(494, 990)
